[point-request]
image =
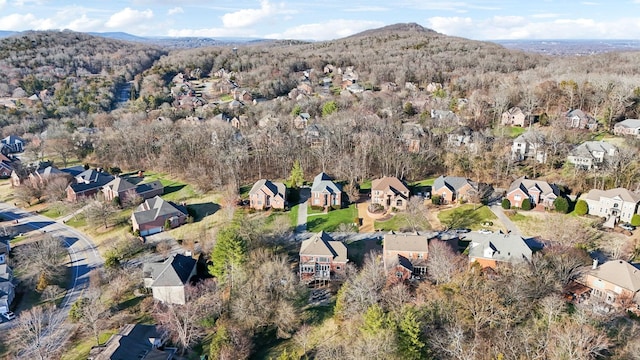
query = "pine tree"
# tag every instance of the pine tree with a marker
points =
(409, 343)
(582, 208)
(228, 254)
(374, 320)
(296, 179)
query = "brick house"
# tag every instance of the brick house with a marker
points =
(390, 192)
(125, 190)
(151, 216)
(87, 184)
(514, 117)
(322, 258)
(453, 188)
(405, 254)
(324, 192)
(489, 250)
(615, 282)
(267, 194)
(540, 193)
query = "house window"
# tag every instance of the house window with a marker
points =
(420, 256)
(617, 290)
(338, 267)
(323, 259)
(307, 269)
(420, 270)
(517, 197)
(398, 202)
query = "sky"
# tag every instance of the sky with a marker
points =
(329, 19)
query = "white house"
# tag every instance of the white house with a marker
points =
(168, 279)
(529, 145)
(615, 205)
(592, 154)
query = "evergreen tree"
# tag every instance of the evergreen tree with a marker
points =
(220, 340)
(526, 204)
(374, 320)
(296, 179)
(635, 220)
(410, 345)
(582, 208)
(228, 254)
(561, 204)
(506, 204)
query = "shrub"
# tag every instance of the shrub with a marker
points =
(526, 204)
(167, 224)
(335, 207)
(506, 204)
(582, 208)
(111, 260)
(561, 204)
(116, 201)
(635, 220)
(136, 233)
(316, 207)
(435, 199)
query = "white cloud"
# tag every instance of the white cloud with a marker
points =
(211, 32)
(545, 16)
(331, 29)
(247, 17)
(128, 17)
(368, 9)
(84, 23)
(175, 10)
(18, 22)
(2, 4)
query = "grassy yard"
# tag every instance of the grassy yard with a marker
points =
(513, 131)
(466, 216)
(81, 350)
(293, 215)
(331, 220)
(423, 183)
(396, 223)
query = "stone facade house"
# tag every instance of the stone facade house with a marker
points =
(325, 192)
(592, 154)
(453, 188)
(151, 216)
(266, 194)
(489, 250)
(514, 117)
(627, 127)
(615, 283)
(390, 192)
(322, 258)
(405, 254)
(169, 278)
(614, 205)
(540, 193)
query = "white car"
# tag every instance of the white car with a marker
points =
(485, 231)
(9, 315)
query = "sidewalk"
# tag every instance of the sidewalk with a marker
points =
(504, 219)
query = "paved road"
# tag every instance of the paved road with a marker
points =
(82, 251)
(504, 219)
(305, 194)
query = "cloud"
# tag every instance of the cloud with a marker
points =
(212, 33)
(545, 16)
(19, 22)
(248, 17)
(331, 29)
(175, 10)
(128, 17)
(2, 4)
(368, 9)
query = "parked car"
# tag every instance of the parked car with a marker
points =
(462, 231)
(9, 315)
(627, 226)
(485, 231)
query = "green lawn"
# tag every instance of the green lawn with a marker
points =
(293, 215)
(311, 210)
(80, 351)
(331, 220)
(514, 131)
(425, 182)
(466, 216)
(366, 185)
(396, 223)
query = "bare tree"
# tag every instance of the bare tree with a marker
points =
(40, 333)
(42, 258)
(416, 214)
(93, 312)
(443, 262)
(57, 187)
(99, 213)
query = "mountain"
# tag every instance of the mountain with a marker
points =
(119, 36)
(4, 33)
(395, 28)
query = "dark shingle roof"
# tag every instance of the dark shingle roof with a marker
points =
(155, 207)
(324, 182)
(174, 271)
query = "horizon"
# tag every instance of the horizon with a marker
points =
(485, 20)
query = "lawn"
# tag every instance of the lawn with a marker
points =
(423, 183)
(293, 215)
(331, 220)
(466, 216)
(396, 223)
(80, 351)
(513, 131)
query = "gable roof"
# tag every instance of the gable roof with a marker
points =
(624, 194)
(525, 185)
(119, 185)
(628, 123)
(155, 207)
(322, 244)
(418, 242)
(94, 176)
(514, 111)
(502, 247)
(391, 183)
(619, 273)
(174, 271)
(531, 137)
(12, 139)
(275, 187)
(134, 341)
(587, 148)
(48, 171)
(154, 185)
(323, 182)
(453, 183)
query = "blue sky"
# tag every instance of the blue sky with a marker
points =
(330, 19)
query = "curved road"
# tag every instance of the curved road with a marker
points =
(82, 251)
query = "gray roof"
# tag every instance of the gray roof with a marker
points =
(155, 207)
(142, 188)
(12, 139)
(525, 185)
(418, 242)
(498, 246)
(49, 170)
(453, 183)
(531, 137)
(624, 194)
(619, 273)
(323, 182)
(134, 342)
(174, 271)
(120, 185)
(275, 187)
(587, 148)
(322, 244)
(91, 179)
(629, 123)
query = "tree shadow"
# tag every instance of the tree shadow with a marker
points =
(316, 222)
(173, 188)
(318, 314)
(463, 219)
(200, 211)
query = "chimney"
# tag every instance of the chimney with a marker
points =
(595, 264)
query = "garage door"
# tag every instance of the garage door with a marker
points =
(151, 231)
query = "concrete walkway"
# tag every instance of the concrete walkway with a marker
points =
(504, 219)
(305, 193)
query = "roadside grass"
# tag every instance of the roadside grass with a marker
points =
(331, 220)
(467, 216)
(81, 349)
(293, 215)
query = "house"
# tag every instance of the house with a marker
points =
(6, 166)
(489, 250)
(390, 192)
(300, 122)
(615, 282)
(592, 154)
(445, 117)
(529, 145)
(627, 127)
(614, 205)
(42, 175)
(540, 193)
(322, 258)
(453, 188)
(463, 135)
(156, 214)
(126, 191)
(405, 254)
(11, 144)
(324, 192)
(135, 341)
(514, 117)
(169, 278)
(87, 184)
(267, 194)
(412, 133)
(579, 119)
(7, 288)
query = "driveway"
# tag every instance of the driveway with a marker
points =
(82, 251)
(504, 219)
(305, 194)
